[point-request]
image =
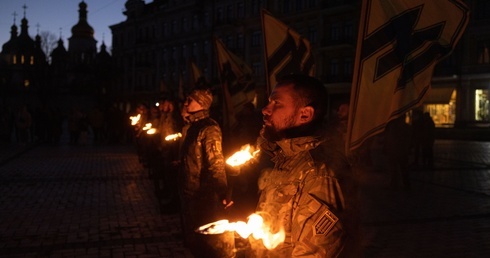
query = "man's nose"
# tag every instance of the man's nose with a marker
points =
(266, 110)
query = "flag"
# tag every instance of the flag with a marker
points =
(286, 51)
(181, 93)
(198, 77)
(399, 43)
(237, 83)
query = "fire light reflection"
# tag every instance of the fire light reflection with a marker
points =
(240, 157)
(255, 227)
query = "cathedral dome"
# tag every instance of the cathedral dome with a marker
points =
(82, 28)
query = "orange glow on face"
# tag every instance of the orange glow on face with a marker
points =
(242, 156)
(254, 227)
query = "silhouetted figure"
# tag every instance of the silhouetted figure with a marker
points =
(23, 123)
(417, 131)
(427, 140)
(398, 138)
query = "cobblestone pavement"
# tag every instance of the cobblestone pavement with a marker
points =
(97, 201)
(82, 201)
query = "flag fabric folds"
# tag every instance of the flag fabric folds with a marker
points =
(399, 44)
(286, 51)
(198, 77)
(238, 87)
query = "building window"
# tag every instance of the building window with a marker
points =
(185, 24)
(256, 38)
(14, 59)
(256, 6)
(482, 9)
(173, 30)
(443, 114)
(240, 10)
(483, 55)
(334, 67)
(335, 31)
(229, 13)
(348, 67)
(164, 30)
(22, 59)
(349, 30)
(312, 35)
(32, 60)
(258, 69)
(195, 22)
(219, 15)
(299, 5)
(229, 42)
(285, 6)
(240, 42)
(482, 105)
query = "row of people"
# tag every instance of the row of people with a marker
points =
(305, 187)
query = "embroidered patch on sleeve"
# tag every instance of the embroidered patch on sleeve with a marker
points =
(325, 223)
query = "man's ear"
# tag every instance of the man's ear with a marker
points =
(306, 114)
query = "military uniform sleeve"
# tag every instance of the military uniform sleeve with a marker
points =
(317, 228)
(214, 157)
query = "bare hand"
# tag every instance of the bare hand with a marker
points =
(227, 204)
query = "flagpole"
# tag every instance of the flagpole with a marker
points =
(264, 42)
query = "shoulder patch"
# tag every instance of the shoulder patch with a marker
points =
(325, 223)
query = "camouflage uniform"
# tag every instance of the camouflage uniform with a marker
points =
(304, 194)
(202, 178)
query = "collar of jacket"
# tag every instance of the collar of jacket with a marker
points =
(198, 115)
(290, 147)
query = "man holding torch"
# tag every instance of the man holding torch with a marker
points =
(202, 179)
(307, 192)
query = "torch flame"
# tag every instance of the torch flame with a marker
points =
(173, 137)
(151, 131)
(147, 127)
(255, 227)
(135, 119)
(242, 156)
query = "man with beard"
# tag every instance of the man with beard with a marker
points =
(306, 193)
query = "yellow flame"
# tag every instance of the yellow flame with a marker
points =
(255, 227)
(151, 131)
(173, 137)
(135, 119)
(242, 156)
(147, 127)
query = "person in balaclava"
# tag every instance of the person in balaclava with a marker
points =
(202, 177)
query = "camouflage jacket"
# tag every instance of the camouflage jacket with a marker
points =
(304, 195)
(203, 164)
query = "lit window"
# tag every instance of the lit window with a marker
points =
(482, 105)
(26, 83)
(32, 60)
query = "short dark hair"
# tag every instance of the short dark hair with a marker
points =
(310, 91)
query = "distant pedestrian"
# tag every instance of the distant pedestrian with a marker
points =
(397, 139)
(96, 121)
(23, 123)
(427, 141)
(417, 131)
(74, 125)
(166, 178)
